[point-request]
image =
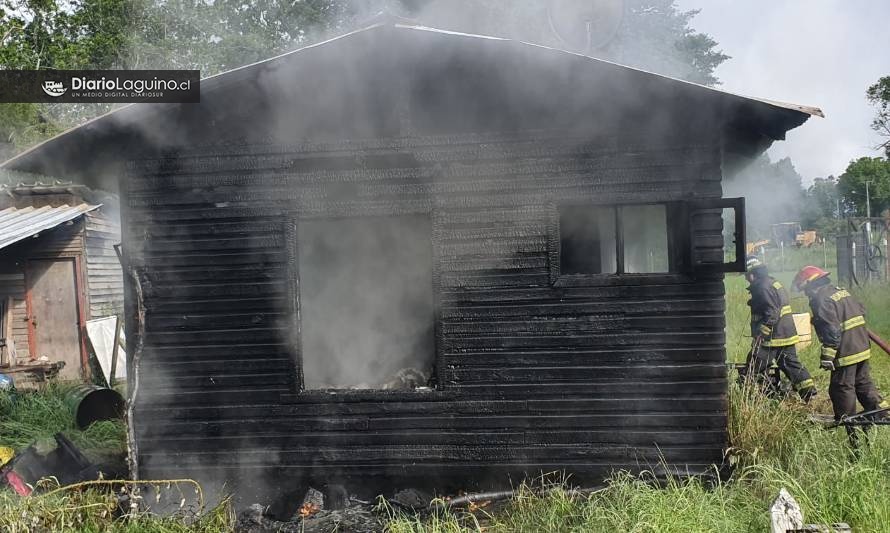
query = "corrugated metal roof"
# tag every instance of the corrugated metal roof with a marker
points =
(18, 224)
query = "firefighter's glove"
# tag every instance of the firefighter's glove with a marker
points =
(765, 330)
(827, 358)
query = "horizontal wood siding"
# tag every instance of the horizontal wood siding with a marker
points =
(12, 284)
(534, 376)
(104, 275)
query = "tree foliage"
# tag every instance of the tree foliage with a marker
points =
(851, 186)
(218, 35)
(224, 34)
(653, 35)
(879, 96)
(822, 210)
(59, 34)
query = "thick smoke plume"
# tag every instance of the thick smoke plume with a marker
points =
(366, 302)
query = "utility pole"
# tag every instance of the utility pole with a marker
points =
(867, 212)
(867, 201)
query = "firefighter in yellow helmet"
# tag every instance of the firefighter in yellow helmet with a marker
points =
(839, 321)
(773, 330)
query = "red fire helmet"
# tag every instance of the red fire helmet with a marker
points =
(808, 274)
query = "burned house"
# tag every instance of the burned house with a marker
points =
(58, 269)
(409, 256)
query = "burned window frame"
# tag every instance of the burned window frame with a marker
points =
(295, 337)
(677, 241)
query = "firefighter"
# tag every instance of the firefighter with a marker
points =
(839, 321)
(773, 330)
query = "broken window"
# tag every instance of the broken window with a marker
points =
(587, 240)
(645, 238)
(366, 303)
(632, 239)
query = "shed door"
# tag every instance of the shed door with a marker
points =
(53, 320)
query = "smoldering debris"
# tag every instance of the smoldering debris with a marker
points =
(407, 379)
(334, 510)
(404, 379)
(358, 517)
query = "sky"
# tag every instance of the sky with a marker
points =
(823, 53)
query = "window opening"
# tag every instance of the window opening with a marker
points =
(366, 303)
(645, 238)
(588, 240)
(631, 239)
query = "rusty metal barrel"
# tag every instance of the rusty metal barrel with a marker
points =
(91, 403)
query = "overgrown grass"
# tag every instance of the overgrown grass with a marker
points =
(97, 511)
(26, 417)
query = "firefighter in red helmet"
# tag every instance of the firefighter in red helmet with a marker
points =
(773, 330)
(839, 321)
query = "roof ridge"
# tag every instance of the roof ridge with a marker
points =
(381, 20)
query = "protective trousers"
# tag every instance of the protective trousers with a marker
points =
(786, 359)
(851, 383)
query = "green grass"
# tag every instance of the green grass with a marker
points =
(26, 417)
(97, 511)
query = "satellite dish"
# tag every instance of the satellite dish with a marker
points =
(585, 25)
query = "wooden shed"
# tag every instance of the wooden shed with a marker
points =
(58, 269)
(408, 257)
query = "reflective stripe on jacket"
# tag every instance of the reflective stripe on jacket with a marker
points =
(839, 321)
(771, 311)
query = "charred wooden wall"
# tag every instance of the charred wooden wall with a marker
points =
(536, 373)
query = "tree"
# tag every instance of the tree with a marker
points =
(23, 125)
(657, 36)
(217, 35)
(139, 34)
(653, 35)
(851, 186)
(821, 209)
(224, 34)
(879, 96)
(58, 34)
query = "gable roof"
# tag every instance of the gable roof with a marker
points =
(74, 153)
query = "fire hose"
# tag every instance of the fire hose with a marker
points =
(879, 341)
(866, 418)
(489, 497)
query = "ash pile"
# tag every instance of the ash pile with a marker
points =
(405, 379)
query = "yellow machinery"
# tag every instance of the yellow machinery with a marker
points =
(805, 239)
(752, 247)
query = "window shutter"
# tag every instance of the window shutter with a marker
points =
(706, 243)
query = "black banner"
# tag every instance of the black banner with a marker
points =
(105, 86)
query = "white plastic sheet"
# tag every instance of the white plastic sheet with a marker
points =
(101, 333)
